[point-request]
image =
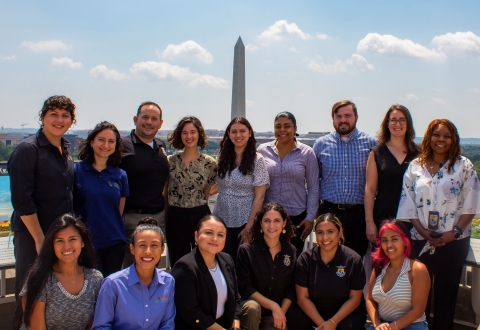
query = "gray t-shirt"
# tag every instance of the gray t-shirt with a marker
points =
(67, 311)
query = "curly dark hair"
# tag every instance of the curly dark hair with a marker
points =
(85, 150)
(384, 134)
(330, 217)
(455, 150)
(254, 232)
(226, 158)
(57, 102)
(42, 268)
(175, 138)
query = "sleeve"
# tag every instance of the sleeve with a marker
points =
(357, 275)
(260, 173)
(316, 151)
(21, 168)
(407, 208)
(212, 173)
(290, 287)
(169, 322)
(186, 300)
(311, 176)
(124, 180)
(244, 273)
(470, 189)
(105, 307)
(302, 270)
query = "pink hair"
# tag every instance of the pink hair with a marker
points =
(379, 258)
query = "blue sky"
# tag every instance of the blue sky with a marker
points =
(302, 56)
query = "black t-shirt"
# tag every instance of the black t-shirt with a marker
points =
(329, 285)
(147, 172)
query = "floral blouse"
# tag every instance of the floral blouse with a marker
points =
(186, 186)
(451, 194)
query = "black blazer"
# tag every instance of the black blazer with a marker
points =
(196, 294)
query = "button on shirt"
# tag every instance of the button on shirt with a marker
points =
(126, 303)
(293, 181)
(41, 181)
(343, 166)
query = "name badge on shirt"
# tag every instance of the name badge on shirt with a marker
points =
(340, 271)
(286, 260)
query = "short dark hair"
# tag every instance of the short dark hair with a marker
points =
(86, 151)
(210, 217)
(330, 217)
(149, 103)
(148, 223)
(254, 232)
(175, 138)
(341, 104)
(57, 102)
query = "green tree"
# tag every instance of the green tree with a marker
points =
(477, 167)
(5, 151)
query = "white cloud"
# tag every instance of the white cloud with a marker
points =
(47, 45)
(188, 48)
(393, 46)
(293, 49)
(281, 29)
(439, 101)
(164, 70)
(322, 36)
(474, 90)
(459, 43)
(66, 61)
(355, 62)
(412, 97)
(251, 47)
(8, 58)
(108, 74)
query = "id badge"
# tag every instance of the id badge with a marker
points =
(433, 217)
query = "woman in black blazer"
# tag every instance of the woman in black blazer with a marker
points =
(206, 294)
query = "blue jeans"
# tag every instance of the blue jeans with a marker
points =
(414, 326)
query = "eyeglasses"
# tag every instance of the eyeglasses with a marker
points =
(401, 121)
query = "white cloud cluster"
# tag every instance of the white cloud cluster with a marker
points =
(164, 70)
(357, 62)
(412, 97)
(459, 43)
(8, 58)
(251, 47)
(187, 48)
(280, 30)
(47, 45)
(108, 74)
(67, 62)
(439, 101)
(322, 36)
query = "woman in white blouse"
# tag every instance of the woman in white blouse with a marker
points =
(440, 196)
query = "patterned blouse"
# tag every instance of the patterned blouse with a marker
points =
(237, 191)
(451, 194)
(186, 186)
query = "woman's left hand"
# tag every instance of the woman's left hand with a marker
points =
(327, 325)
(384, 326)
(244, 232)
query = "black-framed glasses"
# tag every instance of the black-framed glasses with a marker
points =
(401, 121)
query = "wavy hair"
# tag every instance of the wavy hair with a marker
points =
(57, 102)
(86, 151)
(384, 134)
(175, 138)
(254, 232)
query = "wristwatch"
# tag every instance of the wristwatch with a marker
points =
(457, 232)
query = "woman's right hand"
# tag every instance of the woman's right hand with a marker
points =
(372, 232)
(279, 319)
(384, 326)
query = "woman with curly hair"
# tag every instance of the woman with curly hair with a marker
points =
(242, 181)
(440, 196)
(265, 270)
(191, 175)
(99, 196)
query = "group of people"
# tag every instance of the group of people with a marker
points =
(244, 264)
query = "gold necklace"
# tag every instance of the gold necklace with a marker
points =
(274, 246)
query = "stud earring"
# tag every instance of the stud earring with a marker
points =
(284, 231)
(261, 230)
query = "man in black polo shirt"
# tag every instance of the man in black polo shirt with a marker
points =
(147, 170)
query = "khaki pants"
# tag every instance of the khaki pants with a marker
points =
(131, 222)
(252, 319)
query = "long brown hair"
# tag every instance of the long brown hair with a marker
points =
(384, 134)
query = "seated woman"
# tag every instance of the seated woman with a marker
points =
(62, 286)
(205, 281)
(329, 281)
(141, 296)
(399, 286)
(265, 270)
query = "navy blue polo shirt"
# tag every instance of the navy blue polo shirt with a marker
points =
(96, 199)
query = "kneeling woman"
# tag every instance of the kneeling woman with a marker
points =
(205, 281)
(329, 281)
(399, 286)
(62, 286)
(141, 296)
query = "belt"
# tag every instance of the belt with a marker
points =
(155, 210)
(343, 206)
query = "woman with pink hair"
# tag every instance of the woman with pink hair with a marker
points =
(399, 286)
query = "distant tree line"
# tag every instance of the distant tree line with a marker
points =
(5, 151)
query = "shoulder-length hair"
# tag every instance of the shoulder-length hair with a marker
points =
(254, 233)
(455, 150)
(86, 151)
(42, 268)
(227, 156)
(384, 134)
(332, 218)
(175, 138)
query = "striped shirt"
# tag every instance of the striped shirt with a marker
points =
(397, 301)
(293, 181)
(342, 166)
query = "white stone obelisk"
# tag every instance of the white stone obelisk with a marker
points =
(238, 83)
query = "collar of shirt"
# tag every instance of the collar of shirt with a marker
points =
(43, 141)
(273, 145)
(353, 135)
(136, 139)
(336, 257)
(133, 277)
(89, 167)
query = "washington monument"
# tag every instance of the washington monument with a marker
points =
(238, 84)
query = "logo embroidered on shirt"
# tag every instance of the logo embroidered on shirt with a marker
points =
(286, 260)
(69, 157)
(164, 298)
(114, 184)
(340, 271)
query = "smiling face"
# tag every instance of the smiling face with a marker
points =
(397, 123)
(328, 236)
(392, 244)
(284, 130)
(68, 245)
(211, 237)
(148, 249)
(345, 120)
(272, 224)
(441, 141)
(104, 143)
(239, 135)
(55, 123)
(148, 122)
(189, 136)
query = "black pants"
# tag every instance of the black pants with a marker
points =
(297, 240)
(181, 226)
(233, 241)
(110, 260)
(25, 255)
(354, 226)
(445, 267)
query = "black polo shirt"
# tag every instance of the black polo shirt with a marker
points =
(329, 284)
(41, 181)
(258, 272)
(147, 172)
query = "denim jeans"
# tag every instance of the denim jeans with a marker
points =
(414, 326)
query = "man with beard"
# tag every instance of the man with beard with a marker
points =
(342, 157)
(146, 165)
